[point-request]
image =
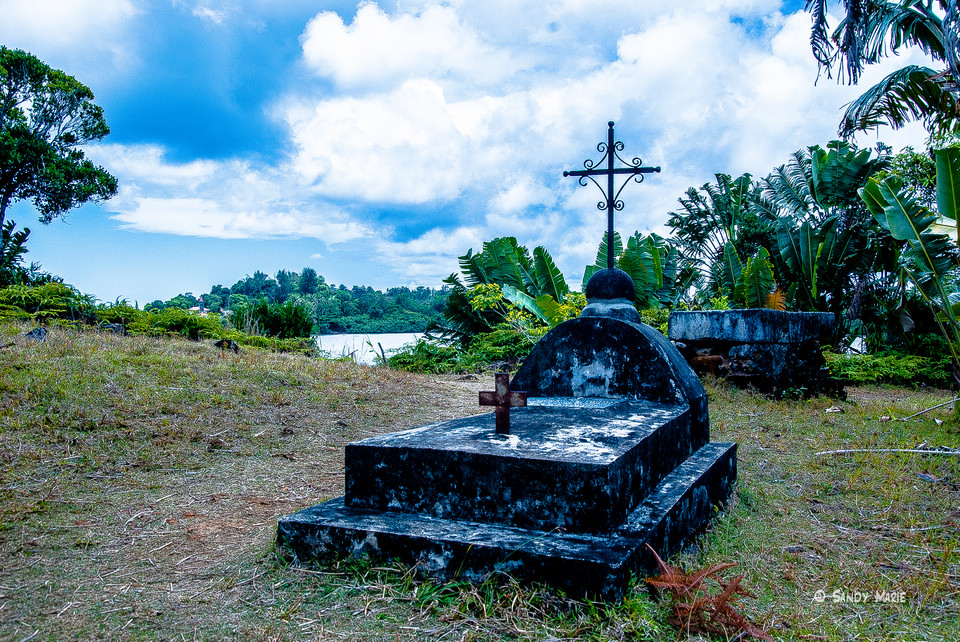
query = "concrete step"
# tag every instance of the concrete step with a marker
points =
(595, 564)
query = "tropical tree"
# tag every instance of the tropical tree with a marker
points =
(928, 257)
(715, 214)
(502, 275)
(825, 249)
(12, 249)
(718, 226)
(309, 281)
(874, 29)
(45, 116)
(799, 238)
(659, 278)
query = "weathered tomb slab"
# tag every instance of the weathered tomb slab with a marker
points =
(599, 565)
(607, 357)
(771, 350)
(749, 326)
(613, 456)
(581, 469)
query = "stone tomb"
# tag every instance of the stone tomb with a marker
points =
(771, 350)
(611, 453)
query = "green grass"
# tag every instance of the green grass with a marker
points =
(141, 479)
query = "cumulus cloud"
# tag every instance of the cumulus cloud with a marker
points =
(377, 49)
(459, 116)
(220, 199)
(46, 26)
(692, 89)
(430, 257)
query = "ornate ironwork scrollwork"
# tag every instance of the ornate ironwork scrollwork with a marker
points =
(633, 169)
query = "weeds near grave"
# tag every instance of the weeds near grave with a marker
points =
(695, 610)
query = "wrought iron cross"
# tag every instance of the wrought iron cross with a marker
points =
(503, 398)
(612, 202)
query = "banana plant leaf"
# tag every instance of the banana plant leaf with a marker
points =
(503, 262)
(601, 262)
(550, 308)
(471, 265)
(730, 270)
(948, 187)
(756, 280)
(899, 213)
(525, 301)
(799, 248)
(460, 320)
(838, 171)
(549, 278)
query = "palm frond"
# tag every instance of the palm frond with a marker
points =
(908, 94)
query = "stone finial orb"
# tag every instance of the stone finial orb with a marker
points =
(610, 293)
(609, 284)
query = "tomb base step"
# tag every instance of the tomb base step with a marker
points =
(581, 564)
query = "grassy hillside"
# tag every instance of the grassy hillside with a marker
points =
(141, 479)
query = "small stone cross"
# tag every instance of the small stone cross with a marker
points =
(504, 399)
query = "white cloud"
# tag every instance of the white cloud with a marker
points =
(209, 218)
(42, 25)
(462, 114)
(220, 199)
(147, 163)
(690, 88)
(378, 50)
(216, 16)
(432, 256)
(401, 147)
(521, 193)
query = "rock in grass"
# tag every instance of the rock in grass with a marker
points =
(116, 328)
(37, 334)
(228, 344)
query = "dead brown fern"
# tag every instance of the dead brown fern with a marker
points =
(695, 610)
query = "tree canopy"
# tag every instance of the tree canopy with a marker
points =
(45, 116)
(874, 29)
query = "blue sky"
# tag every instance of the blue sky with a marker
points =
(378, 141)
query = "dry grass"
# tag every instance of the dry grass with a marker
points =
(141, 480)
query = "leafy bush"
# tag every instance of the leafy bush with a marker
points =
(177, 321)
(504, 344)
(504, 347)
(282, 320)
(11, 312)
(304, 346)
(427, 357)
(119, 312)
(49, 301)
(890, 367)
(658, 317)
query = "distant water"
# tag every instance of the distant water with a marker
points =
(363, 347)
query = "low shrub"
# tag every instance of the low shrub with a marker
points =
(659, 318)
(890, 367)
(179, 322)
(49, 301)
(118, 312)
(502, 348)
(300, 345)
(282, 320)
(426, 356)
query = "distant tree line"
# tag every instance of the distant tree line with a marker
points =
(332, 308)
